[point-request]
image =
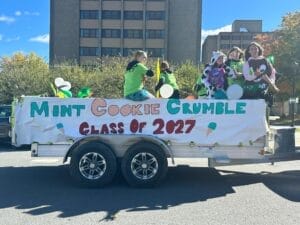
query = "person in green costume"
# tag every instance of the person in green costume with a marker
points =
(235, 63)
(200, 88)
(167, 77)
(135, 76)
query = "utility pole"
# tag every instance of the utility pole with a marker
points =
(294, 100)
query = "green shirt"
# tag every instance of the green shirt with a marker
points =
(237, 65)
(169, 78)
(134, 78)
(203, 90)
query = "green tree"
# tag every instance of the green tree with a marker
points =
(186, 75)
(30, 75)
(22, 75)
(287, 49)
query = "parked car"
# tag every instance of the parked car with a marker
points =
(5, 112)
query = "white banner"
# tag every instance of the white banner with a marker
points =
(206, 122)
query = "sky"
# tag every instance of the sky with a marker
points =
(25, 24)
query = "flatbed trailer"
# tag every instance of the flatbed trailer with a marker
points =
(98, 136)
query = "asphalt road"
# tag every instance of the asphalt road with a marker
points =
(40, 191)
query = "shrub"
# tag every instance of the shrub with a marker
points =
(30, 75)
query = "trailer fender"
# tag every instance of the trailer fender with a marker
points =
(78, 142)
(121, 143)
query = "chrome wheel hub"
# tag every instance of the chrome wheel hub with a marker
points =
(92, 165)
(144, 166)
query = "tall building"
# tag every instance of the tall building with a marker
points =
(84, 30)
(242, 34)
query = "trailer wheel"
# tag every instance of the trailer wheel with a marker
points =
(144, 165)
(93, 165)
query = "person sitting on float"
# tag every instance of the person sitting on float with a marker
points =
(167, 77)
(213, 82)
(62, 88)
(258, 72)
(235, 62)
(135, 76)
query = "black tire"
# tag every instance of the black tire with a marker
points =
(93, 165)
(144, 165)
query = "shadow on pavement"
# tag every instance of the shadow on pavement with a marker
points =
(46, 189)
(7, 147)
(286, 184)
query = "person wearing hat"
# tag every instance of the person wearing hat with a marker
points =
(62, 89)
(135, 76)
(213, 81)
(258, 73)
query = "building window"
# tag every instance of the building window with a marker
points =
(89, 14)
(155, 34)
(111, 14)
(248, 37)
(133, 34)
(133, 15)
(111, 33)
(110, 51)
(225, 37)
(244, 46)
(236, 37)
(225, 46)
(155, 52)
(89, 33)
(129, 51)
(89, 51)
(155, 15)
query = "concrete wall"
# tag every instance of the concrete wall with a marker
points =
(224, 41)
(250, 25)
(64, 30)
(182, 28)
(184, 40)
(209, 45)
